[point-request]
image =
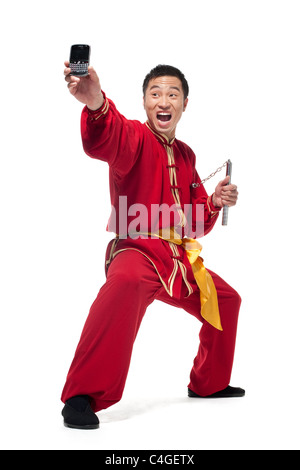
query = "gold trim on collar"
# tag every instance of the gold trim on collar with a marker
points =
(162, 137)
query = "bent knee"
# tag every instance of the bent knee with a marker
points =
(234, 300)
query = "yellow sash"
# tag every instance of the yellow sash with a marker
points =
(208, 293)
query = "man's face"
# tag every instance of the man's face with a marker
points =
(164, 104)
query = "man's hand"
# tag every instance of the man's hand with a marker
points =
(87, 89)
(225, 194)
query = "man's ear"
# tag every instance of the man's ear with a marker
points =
(185, 104)
(144, 101)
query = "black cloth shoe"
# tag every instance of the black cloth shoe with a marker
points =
(78, 413)
(228, 392)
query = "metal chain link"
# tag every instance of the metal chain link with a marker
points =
(196, 185)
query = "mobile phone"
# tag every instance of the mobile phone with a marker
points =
(225, 208)
(79, 59)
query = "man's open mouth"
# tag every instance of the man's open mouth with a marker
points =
(164, 117)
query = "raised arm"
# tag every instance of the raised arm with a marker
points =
(106, 134)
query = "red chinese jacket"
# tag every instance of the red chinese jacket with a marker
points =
(148, 173)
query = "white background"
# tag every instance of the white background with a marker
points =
(241, 59)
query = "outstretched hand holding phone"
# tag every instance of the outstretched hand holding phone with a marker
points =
(86, 89)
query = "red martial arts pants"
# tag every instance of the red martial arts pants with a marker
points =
(101, 362)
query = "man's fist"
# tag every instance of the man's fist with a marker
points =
(225, 194)
(87, 89)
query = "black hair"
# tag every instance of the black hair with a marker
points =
(162, 71)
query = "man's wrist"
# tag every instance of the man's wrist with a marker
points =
(97, 104)
(214, 202)
(96, 114)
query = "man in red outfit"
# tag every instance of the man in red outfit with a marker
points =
(155, 254)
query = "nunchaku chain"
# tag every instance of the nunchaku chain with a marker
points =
(196, 185)
(228, 165)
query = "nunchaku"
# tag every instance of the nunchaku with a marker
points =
(226, 208)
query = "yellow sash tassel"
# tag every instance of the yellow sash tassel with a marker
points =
(208, 294)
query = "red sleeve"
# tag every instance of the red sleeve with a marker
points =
(200, 196)
(110, 137)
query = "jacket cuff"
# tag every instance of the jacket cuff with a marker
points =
(213, 210)
(98, 113)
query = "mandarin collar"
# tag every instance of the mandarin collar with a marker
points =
(161, 137)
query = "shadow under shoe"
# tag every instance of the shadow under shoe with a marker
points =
(78, 414)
